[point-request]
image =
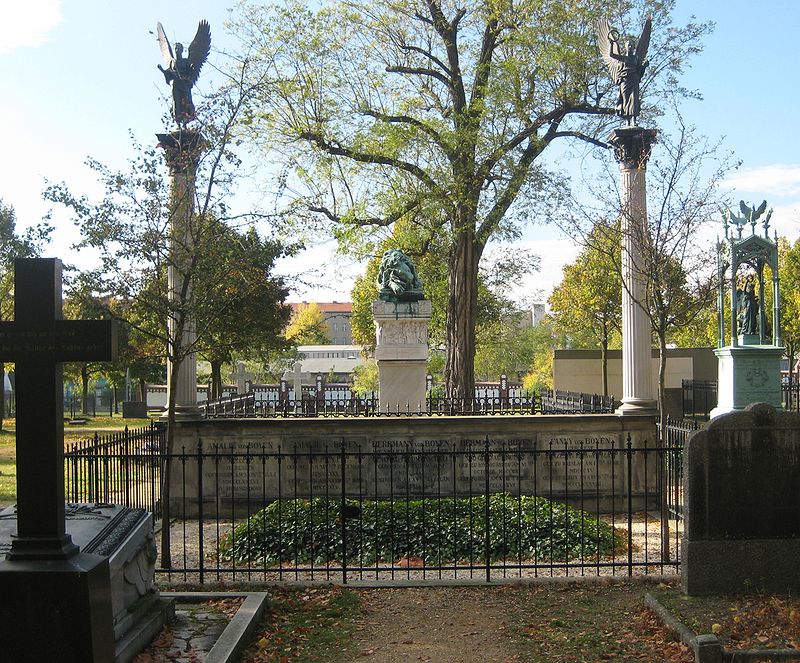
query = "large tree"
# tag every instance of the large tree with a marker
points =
(789, 270)
(439, 111)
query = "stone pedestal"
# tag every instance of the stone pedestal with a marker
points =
(182, 151)
(401, 351)
(632, 146)
(748, 374)
(98, 605)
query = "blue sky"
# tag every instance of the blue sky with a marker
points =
(77, 75)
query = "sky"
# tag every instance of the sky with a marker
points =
(78, 76)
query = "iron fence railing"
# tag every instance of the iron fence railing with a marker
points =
(699, 397)
(118, 468)
(674, 436)
(547, 401)
(384, 509)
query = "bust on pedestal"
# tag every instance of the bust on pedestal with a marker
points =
(401, 331)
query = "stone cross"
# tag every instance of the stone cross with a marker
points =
(297, 381)
(241, 376)
(38, 341)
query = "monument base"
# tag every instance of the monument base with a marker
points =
(184, 413)
(116, 539)
(68, 600)
(748, 374)
(401, 352)
(731, 567)
(402, 386)
(637, 407)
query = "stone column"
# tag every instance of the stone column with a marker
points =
(182, 151)
(401, 351)
(632, 146)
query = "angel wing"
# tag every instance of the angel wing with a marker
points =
(644, 41)
(199, 48)
(609, 46)
(761, 209)
(745, 209)
(166, 48)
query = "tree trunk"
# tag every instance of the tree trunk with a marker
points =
(216, 379)
(662, 419)
(604, 360)
(85, 387)
(166, 465)
(462, 307)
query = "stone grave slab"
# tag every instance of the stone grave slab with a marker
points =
(742, 492)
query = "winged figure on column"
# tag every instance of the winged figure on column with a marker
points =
(181, 73)
(627, 68)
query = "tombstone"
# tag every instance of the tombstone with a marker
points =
(297, 383)
(57, 600)
(134, 410)
(742, 491)
(241, 377)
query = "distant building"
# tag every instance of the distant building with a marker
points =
(337, 319)
(525, 318)
(336, 360)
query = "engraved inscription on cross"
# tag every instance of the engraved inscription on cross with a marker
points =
(38, 341)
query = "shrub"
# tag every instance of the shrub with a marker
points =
(438, 530)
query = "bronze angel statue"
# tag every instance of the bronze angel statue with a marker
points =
(182, 72)
(626, 68)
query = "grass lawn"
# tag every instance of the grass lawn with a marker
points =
(8, 467)
(72, 433)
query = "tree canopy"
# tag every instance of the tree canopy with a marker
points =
(307, 326)
(438, 112)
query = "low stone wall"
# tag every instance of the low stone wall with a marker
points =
(233, 467)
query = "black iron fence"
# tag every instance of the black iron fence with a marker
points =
(547, 401)
(674, 436)
(556, 401)
(390, 509)
(118, 468)
(700, 397)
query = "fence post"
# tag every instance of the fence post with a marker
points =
(200, 508)
(629, 455)
(126, 465)
(344, 516)
(488, 539)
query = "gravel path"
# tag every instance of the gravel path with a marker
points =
(453, 625)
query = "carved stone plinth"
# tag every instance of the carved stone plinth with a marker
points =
(632, 147)
(401, 351)
(748, 374)
(99, 605)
